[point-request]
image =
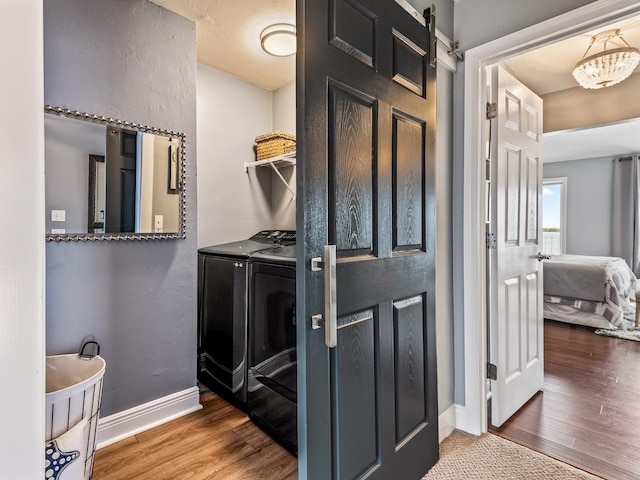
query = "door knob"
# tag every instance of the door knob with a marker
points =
(330, 319)
(330, 309)
(541, 256)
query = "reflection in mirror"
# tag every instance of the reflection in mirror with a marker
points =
(111, 180)
(96, 193)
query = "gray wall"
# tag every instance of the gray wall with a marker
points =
(480, 21)
(589, 203)
(131, 60)
(444, 252)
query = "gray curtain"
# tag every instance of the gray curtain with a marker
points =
(625, 231)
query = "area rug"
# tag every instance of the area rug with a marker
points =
(489, 457)
(632, 332)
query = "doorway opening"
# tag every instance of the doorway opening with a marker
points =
(472, 417)
(475, 264)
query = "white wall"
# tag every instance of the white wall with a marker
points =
(22, 241)
(232, 204)
(283, 205)
(589, 203)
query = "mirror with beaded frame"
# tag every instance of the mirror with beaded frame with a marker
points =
(107, 179)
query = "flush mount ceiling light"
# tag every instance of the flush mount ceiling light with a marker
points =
(279, 39)
(608, 67)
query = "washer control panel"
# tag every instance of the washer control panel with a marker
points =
(275, 236)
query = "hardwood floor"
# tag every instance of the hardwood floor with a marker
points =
(588, 413)
(217, 442)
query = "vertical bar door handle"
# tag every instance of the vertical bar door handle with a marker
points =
(330, 309)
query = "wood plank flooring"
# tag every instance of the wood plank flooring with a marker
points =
(217, 442)
(588, 413)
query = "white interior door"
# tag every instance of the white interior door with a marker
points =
(516, 322)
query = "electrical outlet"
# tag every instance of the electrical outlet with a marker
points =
(158, 223)
(58, 215)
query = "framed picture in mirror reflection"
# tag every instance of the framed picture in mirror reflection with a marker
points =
(96, 194)
(174, 169)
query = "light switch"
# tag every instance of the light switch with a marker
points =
(58, 230)
(58, 215)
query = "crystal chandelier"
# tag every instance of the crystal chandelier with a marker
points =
(608, 67)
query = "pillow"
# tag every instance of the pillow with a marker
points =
(65, 455)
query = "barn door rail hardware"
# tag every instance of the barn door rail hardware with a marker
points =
(455, 51)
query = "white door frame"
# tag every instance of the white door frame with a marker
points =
(22, 246)
(473, 416)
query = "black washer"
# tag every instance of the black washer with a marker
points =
(272, 377)
(222, 312)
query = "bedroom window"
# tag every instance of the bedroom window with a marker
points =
(554, 208)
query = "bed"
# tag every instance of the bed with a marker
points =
(597, 292)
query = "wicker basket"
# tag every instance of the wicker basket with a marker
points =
(273, 144)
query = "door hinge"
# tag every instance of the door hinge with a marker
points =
(492, 371)
(492, 110)
(491, 240)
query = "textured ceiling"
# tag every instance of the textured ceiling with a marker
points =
(228, 37)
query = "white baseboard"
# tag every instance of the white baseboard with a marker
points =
(447, 422)
(124, 424)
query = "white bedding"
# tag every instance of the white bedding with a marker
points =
(616, 284)
(569, 314)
